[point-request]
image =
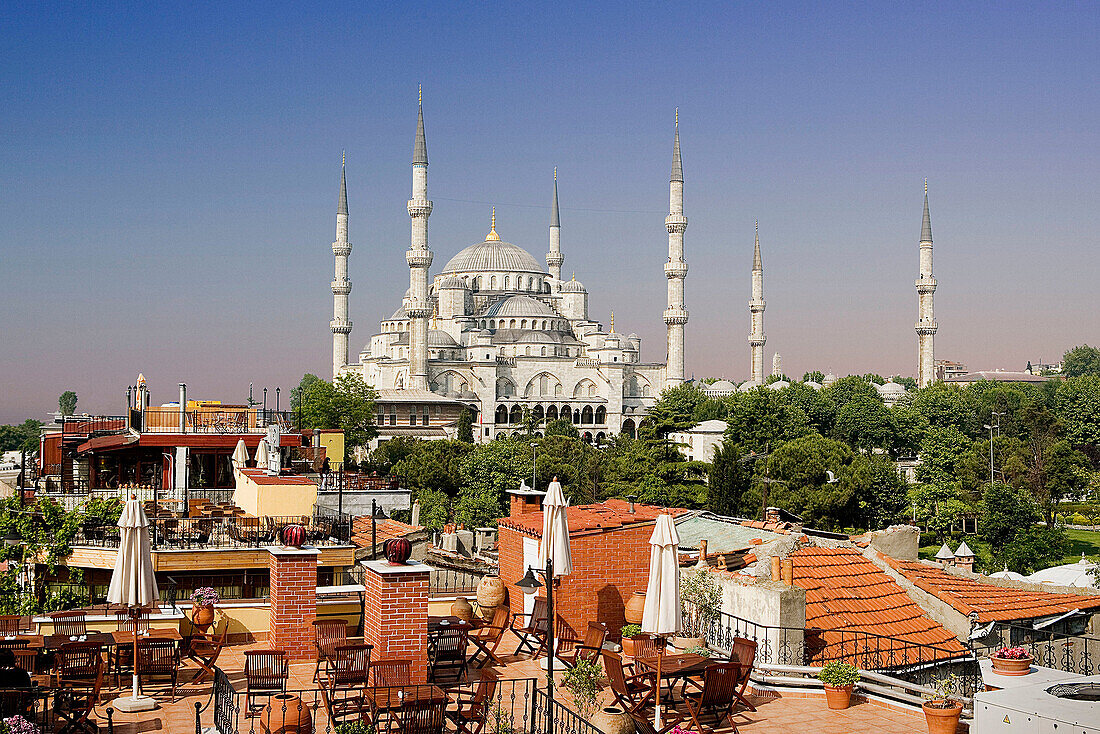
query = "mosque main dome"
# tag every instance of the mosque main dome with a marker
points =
(493, 255)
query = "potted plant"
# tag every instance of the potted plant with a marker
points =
(941, 709)
(699, 650)
(701, 604)
(839, 679)
(583, 682)
(203, 600)
(17, 725)
(1011, 661)
(354, 727)
(628, 631)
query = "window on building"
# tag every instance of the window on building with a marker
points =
(412, 415)
(393, 415)
(424, 416)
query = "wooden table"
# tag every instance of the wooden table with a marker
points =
(125, 637)
(390, 699)
(673, 668)
(56, 642)
(34, 642)
(435, 624)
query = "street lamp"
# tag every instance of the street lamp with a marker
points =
(990, 427)
(530, 584)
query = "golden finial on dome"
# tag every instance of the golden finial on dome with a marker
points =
(574, 275)
(555, 173)
(420, 94)
(343, 157)
(677, 117)
(926, 186)
(493, 236)
(612, 322)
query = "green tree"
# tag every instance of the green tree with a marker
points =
(944, 405)
(909, 383)
(761, 417)
(801, 468)
(435, 508)
(939, 507)
(466, 426)
(67, 402)
(848, 388)
(882, 495)
(1005, 512)
(353, 403)
(1081, 360)
(1077, 402)
(23, 437)
(433, 465)
(864, 423)
(562, 427)
(816, 404)
(675, 410)
(816, 376)
(1034, 548)
(313, 400)
(943, 451)
(487, 472)
(729, 479)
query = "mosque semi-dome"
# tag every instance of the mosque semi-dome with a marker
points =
(519, 306)
(452, 282)
(572, 286)
(493, 256)
(440, 338)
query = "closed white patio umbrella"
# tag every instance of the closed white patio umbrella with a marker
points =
(133, 582)
(240, 455)
(661, 614)
(261, 454)
(555, 531)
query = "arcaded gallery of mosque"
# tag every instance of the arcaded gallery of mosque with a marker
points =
(499, 333)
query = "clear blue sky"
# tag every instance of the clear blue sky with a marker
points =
(170, 177)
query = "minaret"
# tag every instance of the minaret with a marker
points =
(341, 286)
(676, 269)
(554, 258)
(926, 316)
(419, 257)
(756, 309)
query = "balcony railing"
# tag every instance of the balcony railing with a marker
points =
(187, 533)
(1069, 653)
(216, 421)
(338, 481)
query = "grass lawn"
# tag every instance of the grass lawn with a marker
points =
(1080, 541)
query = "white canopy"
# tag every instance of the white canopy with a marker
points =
(661, 614)
(261, 454)
(133, 582)
(555, 531)
(240, 454)
(1078, 574)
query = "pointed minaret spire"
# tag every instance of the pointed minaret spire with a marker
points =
(926, 313)
(757, 338)
(341, 285)
(676, 315)
(418, 305)
(554, 258)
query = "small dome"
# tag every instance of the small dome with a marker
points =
(573, 286)
(453, 283)
(778, 385)
(399, 314)
(440, 338)
(747, 386)
(721, 385)
(891, 388)
(519, 306)
(811, 383)
(493, 256)
(633, 336)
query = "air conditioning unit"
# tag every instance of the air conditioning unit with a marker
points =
(1068, 707)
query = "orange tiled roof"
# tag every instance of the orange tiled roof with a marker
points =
(259, 476)
(992, 603)
(387, 528)
(845, 591)
(608, 515)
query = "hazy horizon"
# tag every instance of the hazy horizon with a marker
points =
(171, 179)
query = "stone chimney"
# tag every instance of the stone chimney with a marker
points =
(772, 515)
(945, 557)
(964, 558)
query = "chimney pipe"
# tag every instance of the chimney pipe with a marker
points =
(183, 407)
(631, 497)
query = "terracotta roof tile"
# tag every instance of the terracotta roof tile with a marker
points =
(992, 603)
(604, 516)
(845, 591)
(386, 528)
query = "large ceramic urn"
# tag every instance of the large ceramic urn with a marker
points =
(490, 592)
(286, 714)
(635, 607)
(613, 720)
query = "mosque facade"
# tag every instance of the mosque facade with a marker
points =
(508, 337)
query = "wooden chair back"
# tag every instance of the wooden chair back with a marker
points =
(720, 681)
(69, 623)
(744, 652)
(79, 661)
(616, 677)
(385, 673)
(495, 630)
(10, 624)
(265, 670)
(645, 646)
(422, 716)
(13, 644)
(26, 659)
(126, 623)
(158, 657)
(328, 633)
(486, 688)
(350, 665)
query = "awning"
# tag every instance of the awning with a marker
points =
(1041, 623)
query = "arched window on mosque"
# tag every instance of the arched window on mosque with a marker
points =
(507, 282)
(516, 415)
(629, 429)
(551, 413)
(601, 415)
(493, 283)
(502, 414)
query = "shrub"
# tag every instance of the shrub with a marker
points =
(944, 691)
(583, 681)
(839, 674)
(630, 630)
(704, 651)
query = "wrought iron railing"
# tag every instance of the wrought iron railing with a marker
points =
(186, 533)
(340, 481)
(513, 707)
(903, 659)
(565, 720)
(1069, 653)
(452, 582)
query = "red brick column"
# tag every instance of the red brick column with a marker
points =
(293, 601)
(396, 621)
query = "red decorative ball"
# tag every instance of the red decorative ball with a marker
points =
(397, 550)
(294, 536)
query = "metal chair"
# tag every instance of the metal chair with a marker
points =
(718, 694)
(69, 623)
(327, 634)
(265, 673)
(447, 652)
(159, 658)
(472, 709)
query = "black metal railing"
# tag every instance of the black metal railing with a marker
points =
(215, 420)
(1069, 653)
(512, 708)
(908, 661)
(452, 582)
(566, 721)
(341, 481)
(77, 426)
(185, 533)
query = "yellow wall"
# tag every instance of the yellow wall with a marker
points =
(333, 441)
(273, 500)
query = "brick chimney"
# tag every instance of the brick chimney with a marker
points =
(524, 501)
(772, 515)
(964, 558)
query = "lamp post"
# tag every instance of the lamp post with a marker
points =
(990, 427)
(529, 584)
(534, 448)
(277, 391)
(265, 406)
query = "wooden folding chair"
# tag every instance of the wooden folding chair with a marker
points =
(79, 684)
(744, 652)
(204, 651)
(265, 674)
(389, 673)
(10, 624)
(158, 658)
(590, 649)
(69, 623)
(472, 709)
(26, 659)
(487, 639)
(421, 716)
(718, 694)
(447, 652)
(630, 691)
(327, 634)
(532, 632)
(348, 667)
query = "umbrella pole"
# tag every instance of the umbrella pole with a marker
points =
(657, 684)
(135, 612)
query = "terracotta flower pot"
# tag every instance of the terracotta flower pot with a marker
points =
(286, 714)
(613, 720)
(942, 719)
(490, 592)
(838, 697)
(202, 616)
(1007, 666)
(462, 609)
(628, 646)
(634, 608)
(686, 643)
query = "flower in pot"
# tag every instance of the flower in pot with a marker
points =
(1012, 661)
(839, 679)
(583, 683)
(941, 709)
(628, 631)
(203, 600)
